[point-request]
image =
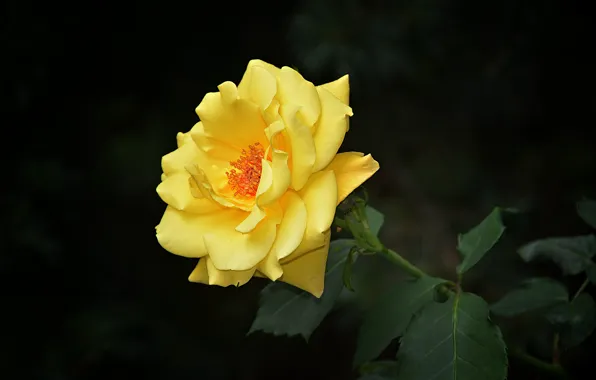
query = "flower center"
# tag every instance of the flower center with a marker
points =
(246, 173)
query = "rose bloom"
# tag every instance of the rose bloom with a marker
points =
(253, 187)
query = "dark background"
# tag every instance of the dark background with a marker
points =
(466, 104)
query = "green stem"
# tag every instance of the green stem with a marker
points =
(581, 289)
(554, 369)
(397, 259)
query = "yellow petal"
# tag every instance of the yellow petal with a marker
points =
(331, 128)
(278, 169)
(269, 267)
(292, 226)
(302, 144)
(214, 148)
(340, 88)
(258, 85)
(206, 273)
(175, 191)
(295, 90)
(320, 199)
(227, 118)
(351, 170)
(199, 274)
(273, 70)
(177, 160)
(233, 250)
(201, 187)
(250, 222)
(181, 233)
(308, 271)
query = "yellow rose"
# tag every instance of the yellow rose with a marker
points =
(253, 187)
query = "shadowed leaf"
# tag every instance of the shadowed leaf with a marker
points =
(572, 254)
(287, 310)
(474, 244)
(534, 294)
(454, 340)
(390, 315)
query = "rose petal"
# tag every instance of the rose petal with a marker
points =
(206, 273)
(269, 267)
(235, 121)
(340, 88)
(259, 84)
(175, 191)
(303, 147)
(294, 90)
(308, 271)
(177, 160)
(330, 129)
(180, 232)
(233, 250)
(320, 199)
(351, 170)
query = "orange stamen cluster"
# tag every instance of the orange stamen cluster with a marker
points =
(244, 178)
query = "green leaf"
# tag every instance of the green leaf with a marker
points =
(572, 254)
(474, 244)
(287, 310)
(534, 294)
(454, 340)
(575, 321)
(390, 315)
(375, 220)
(586, 209)
(348, 267)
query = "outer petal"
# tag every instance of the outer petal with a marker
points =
(330, 129)
(206, 273)
(215, 148)
(225, 117)
(259, 84)
(177, 160)
(351, 170)
(308, 271)
(269, 267)
(303, 147)
(233, 250)
(340, 88)
(175, 191)
(292, 227)
(320, 199)
(295, 90)
(199, 274)
(180, 232)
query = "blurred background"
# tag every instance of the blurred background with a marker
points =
(466, 104)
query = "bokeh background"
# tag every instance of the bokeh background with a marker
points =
(466, 104)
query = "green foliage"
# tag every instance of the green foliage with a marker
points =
(535, 293)
(453, 340)
(348, 268)
(575, 320)
(390, 315)
(375, 220)
(286, 310)
(572, 254)
(474, 244)
(586, 209)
